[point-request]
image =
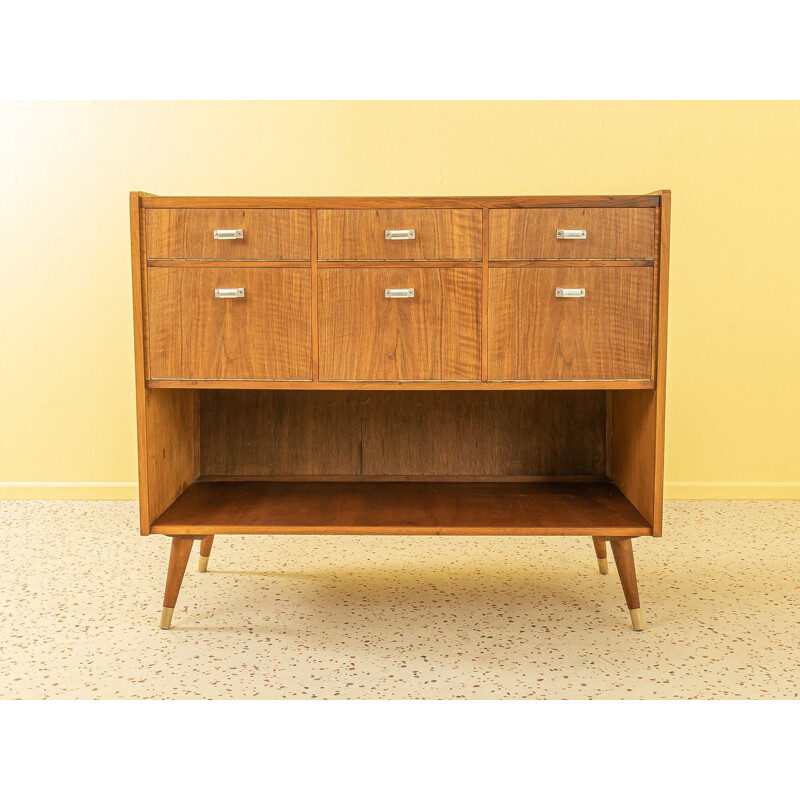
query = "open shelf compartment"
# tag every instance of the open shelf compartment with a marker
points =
(402, 507)
(371, 462)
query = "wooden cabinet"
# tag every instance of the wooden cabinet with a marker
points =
(448, 366)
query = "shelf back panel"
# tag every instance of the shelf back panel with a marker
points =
(408, 433)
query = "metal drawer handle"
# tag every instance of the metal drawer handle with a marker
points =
(224, 294)
(398, 292)
(570, 292)
(231, 233)
(407, 234)
(570, 234)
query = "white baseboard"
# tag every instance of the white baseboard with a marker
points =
(730, 490)
(128, 490)
(69, 490)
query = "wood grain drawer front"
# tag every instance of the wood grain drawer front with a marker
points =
(533, 233)
(268, 234)
(434, 335)
(439, 234)
(604, 335)
(264, 335)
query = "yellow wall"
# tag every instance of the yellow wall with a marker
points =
(66, 358)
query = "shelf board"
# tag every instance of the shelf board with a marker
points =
(427, 508)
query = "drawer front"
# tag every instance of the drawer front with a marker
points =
(604, 335)
(264, 335)
(439, 234)
(366, 336)
(268, 234)
(529, 233)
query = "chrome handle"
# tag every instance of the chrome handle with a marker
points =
(407, 234)
(398, 293)
(570, 292)
(231, 233)
(570, 234)
(224, 294)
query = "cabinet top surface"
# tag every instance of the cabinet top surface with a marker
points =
(522, 201)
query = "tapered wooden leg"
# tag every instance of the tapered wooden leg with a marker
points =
(602, 555)
(205, 552)
(623, 558)
(178, 558)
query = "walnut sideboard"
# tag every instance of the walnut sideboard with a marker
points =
(463, 366)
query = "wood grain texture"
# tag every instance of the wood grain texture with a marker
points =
(433, 336)
(170, 420)
(375, 434)
(269, 234)
(407, 508)
(534, 335)
(633, 423)
(512, 201)
(264, 335)
(610, 233)
(280, 433)
(358, 234)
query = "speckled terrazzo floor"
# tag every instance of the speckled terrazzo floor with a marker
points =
(399, 617)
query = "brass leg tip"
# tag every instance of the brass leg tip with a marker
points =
(166, 618)
(603, 564)
(636, 619)
(202, 566)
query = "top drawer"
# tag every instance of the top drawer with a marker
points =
(545, 233)
(267, 234)
(397, 234)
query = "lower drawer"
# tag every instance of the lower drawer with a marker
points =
(570, 323)
(365, 335)
(229, 323)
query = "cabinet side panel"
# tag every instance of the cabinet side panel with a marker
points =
(633, 430)
(637, 417)
(170, 417)
(661, 357)
(137, 264)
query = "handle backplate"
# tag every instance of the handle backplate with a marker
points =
(396, 293)
(410, 233)
(226, 294)
(230, 233)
